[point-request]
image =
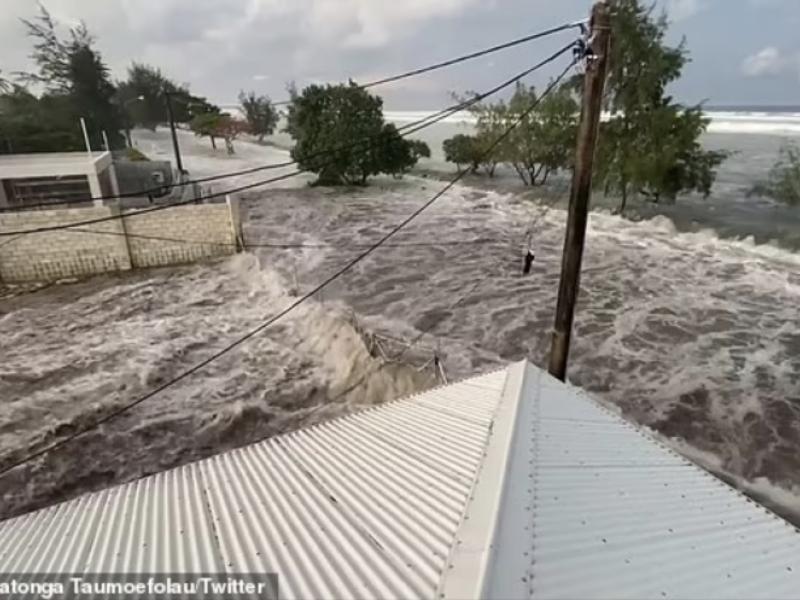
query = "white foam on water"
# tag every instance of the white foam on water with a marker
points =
(787, 124)
(686, 333)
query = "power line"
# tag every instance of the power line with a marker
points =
(464, 58)
(251, 170)
(409, 129)
(327, 282)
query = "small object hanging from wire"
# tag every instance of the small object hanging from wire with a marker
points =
(530, 256)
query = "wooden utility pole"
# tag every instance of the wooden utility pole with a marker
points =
(598, 46)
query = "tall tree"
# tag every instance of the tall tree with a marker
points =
(144, 98)
(540, 144)
(651, 144)
(261, 115)
(71, 67)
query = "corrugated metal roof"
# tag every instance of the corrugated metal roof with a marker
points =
(510, 485)
(365, 506)
(595, 508)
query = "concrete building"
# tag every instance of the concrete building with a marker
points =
(44, 178)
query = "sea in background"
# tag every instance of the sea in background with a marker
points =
(754, 134)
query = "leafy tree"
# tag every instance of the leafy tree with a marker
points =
(419, 149)
(70, 67)
(540, 144)
(207, 125)
(31, 124)
(463, 150)
(144, 98)
(326, 123)
(544, 140)
(783, 182)
(261, 115)
(650, 146)
(230, 129)
(219, 125)
(396, 155)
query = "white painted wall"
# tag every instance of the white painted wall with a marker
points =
(22, 166)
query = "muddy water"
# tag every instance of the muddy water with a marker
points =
(691, 335)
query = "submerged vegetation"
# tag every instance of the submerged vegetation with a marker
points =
(783, 181)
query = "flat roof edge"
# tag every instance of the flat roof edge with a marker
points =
(474, 548)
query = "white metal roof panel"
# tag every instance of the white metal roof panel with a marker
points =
(593, 507)
(365, 506)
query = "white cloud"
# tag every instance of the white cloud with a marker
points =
(770, 62)
(371, 23)
(193, 40)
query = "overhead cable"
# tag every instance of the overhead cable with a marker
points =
(294, 305)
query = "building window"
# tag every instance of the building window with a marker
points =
(48, 190)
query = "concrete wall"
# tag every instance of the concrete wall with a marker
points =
(209, 223)
(112, 246)
(133, 177)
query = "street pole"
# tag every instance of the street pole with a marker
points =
(599, 46)
(176, 148)
(86, 137)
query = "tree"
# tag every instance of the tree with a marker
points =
(419, 149)
(396, 155)
(144, 98)
(207, 125)
(31, 124)
(544, 140)
(541, 142)
(783, 182)
(261, 115)
(650, 146)
(327, 124)
(219, 125)
(70, 68)
(463, 150)
(230, 129)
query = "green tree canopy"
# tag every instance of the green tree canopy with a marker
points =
(463, 150)
(31, 124)
(542, 142)
(326, 123)
(650, 146)
(143, 96)
(71, 68)
(260, 114)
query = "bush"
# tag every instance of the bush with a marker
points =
(327, 122)
(783, 183)
(463, 150)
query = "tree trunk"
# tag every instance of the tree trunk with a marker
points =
(624, 201)
(213, 142)
(535, 175)
(521, 172)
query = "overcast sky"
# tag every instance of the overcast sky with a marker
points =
(743, 51)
